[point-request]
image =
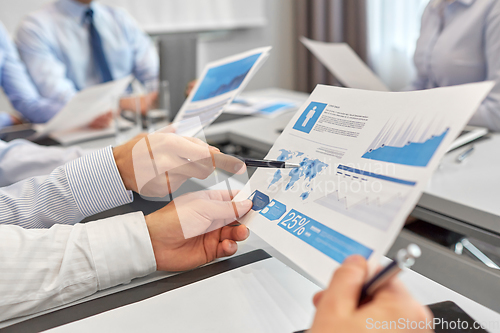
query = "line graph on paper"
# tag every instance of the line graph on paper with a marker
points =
(368, 197)
(408, 141)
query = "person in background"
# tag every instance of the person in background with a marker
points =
(460, 43)
(337, 308)
(19, 88)
(70, 45)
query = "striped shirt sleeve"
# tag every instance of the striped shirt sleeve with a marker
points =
(80, 188)
(46, 268)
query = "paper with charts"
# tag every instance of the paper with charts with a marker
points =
(365, 157)
(341, 60)
(220, 82)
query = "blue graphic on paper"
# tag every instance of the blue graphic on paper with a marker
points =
(326, 240)
(308, 170)
(274, 210)
(259, 199)
(222, 79)
(413, 153)
(308, 118)
(276, 107)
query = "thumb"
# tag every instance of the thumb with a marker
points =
(225, 210)
(345, 287)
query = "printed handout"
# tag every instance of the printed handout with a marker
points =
(365, 157)
(220, 82)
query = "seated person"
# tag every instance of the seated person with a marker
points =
(70, 45)
(19, 88)
(459, 43)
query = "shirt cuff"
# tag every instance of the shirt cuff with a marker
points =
(121, 249)
(5, 120)
(96, 183)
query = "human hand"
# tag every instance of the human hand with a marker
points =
(143, 102)
(338, 311)
(102, 121)
(157, 164)
(15, 120)
(189, 87)
(195, 229)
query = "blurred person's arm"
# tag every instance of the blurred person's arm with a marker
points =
(145, 56)
(21, 159)
(19, 88)
(47, 71)
(488, 113)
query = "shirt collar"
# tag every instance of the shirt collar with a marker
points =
(75, 9)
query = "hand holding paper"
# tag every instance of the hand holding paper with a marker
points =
(194, 229)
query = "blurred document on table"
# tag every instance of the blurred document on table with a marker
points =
(220, 82)
(345, 65)
(85, 106)
(365, 158)
(265, 296)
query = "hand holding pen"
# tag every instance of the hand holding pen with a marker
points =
(338, 309)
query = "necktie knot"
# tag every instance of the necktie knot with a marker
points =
(89, 14)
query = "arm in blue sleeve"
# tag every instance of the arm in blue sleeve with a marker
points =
(488, 113)
(81, 188)
(21, 159)
(5, 120)
(19, 88)
(46, 70)
(146, 58)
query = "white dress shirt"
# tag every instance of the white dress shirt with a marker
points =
(460, 43)
(54, 42)
(44, 268)
(78, 189)
(21, 159)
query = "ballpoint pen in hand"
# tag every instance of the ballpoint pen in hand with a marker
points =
(267, 163)
(405, 258)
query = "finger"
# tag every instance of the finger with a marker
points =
(222, 195)
(236, 233)
(345, 287)
(317, 297)
(226, 248)
(221, 210)
(229, 163)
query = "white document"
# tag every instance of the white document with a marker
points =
(365, 159)
(345, 65)
(265, 296)
(85, 106)
(220, 82)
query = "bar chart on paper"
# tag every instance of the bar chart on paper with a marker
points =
(368, 197)
(407, 141)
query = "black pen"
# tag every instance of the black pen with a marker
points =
(267, 163)
(405, 258)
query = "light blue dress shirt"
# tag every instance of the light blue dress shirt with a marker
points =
(460, 43)
(19, 88)
(86, 186)
(54, 42)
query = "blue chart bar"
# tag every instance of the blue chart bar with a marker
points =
(375, 175)
(326, 240)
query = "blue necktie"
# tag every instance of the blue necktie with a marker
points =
(97, 50)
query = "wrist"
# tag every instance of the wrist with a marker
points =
(127, 174)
